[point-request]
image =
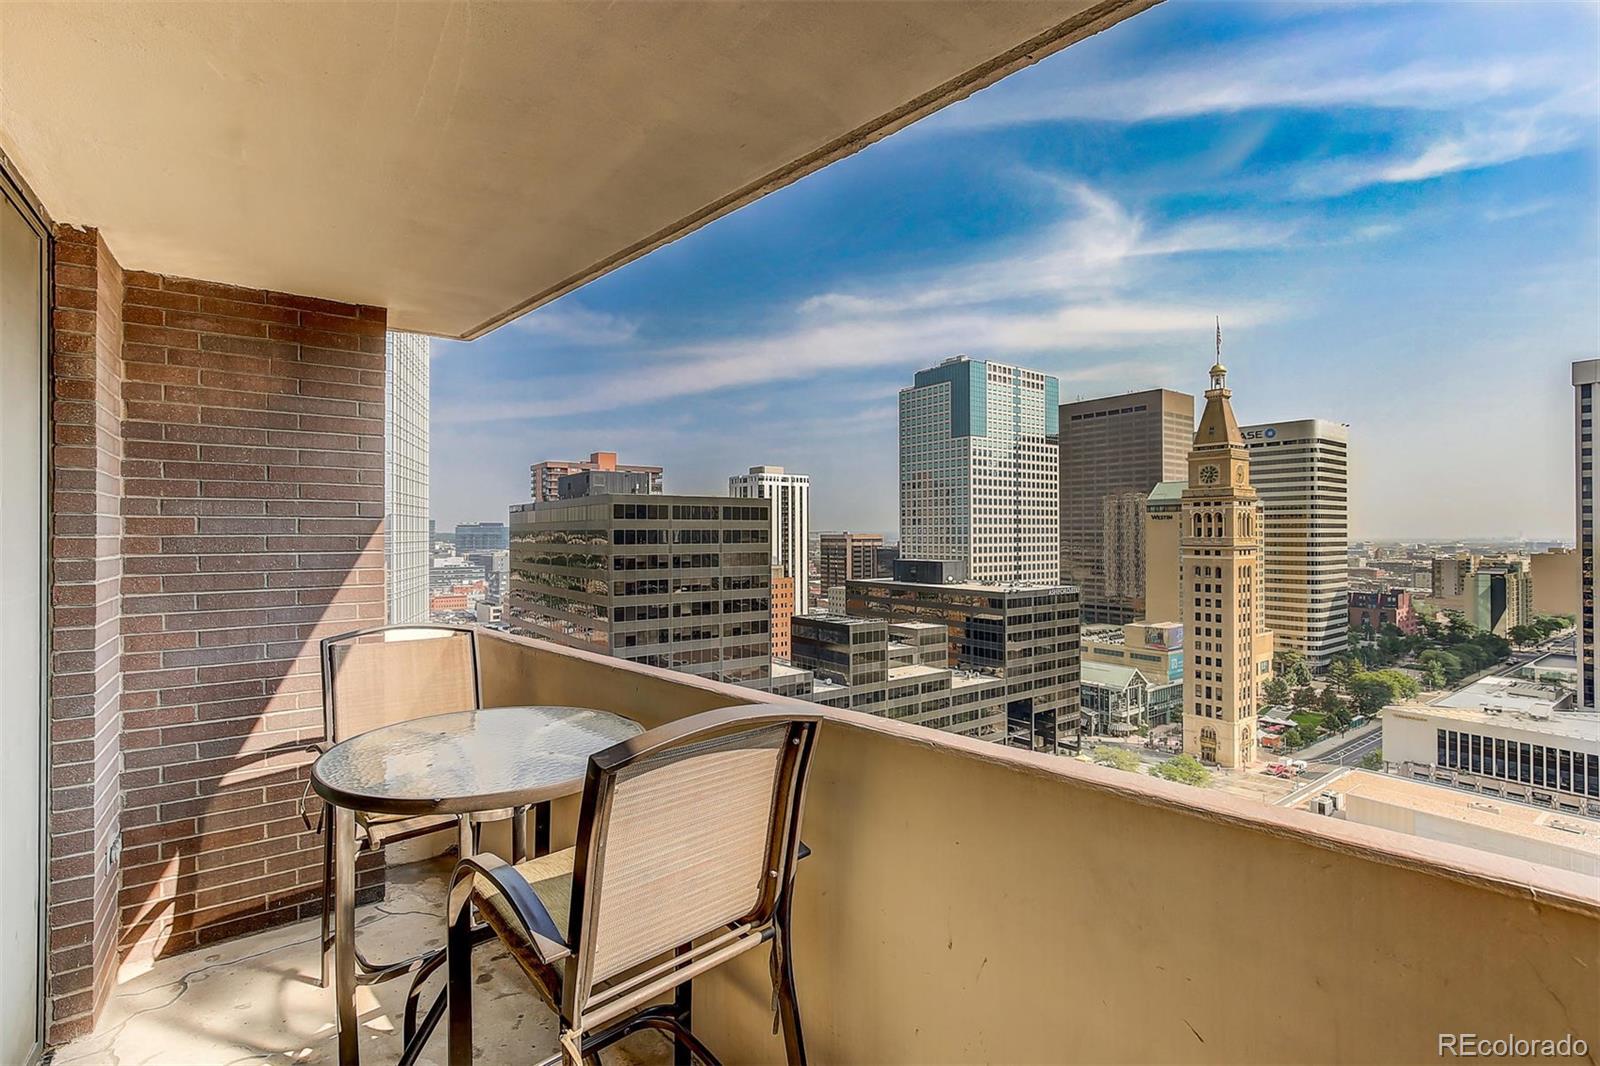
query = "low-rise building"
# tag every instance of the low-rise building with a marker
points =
(1371, 611)
(1423, 809)
(1114, 699)
(1023, 633)
(1514, 739)
(895, 670)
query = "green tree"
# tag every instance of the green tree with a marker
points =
(1374, 690)
(1305, 698)
(1116, 758)
(1433, 675)
(1330, 703)
(1276, 691)
(1526, 634)
(1340, 672)
(1291, 666)
(1184, 769)
(1293, 738)
(1373, 760)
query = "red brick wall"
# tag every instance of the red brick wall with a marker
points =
(253, 515)
(85, 609)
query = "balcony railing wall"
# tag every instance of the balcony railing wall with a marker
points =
(967, 902)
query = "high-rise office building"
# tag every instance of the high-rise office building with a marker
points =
(1111, 446)
(978, 471)
(1026, 634)
(1122, 547)
(673, 581)
(1585, 383)
(790, 495)
(482, 537)
(1301, 473)
(843, 556)
(405, 483)
(1163, 510)
(546, 476)
(1228, 650)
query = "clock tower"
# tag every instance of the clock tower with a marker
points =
(1227, 651)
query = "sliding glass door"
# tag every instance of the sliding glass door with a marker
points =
(23, 258)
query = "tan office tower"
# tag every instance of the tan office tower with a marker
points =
(1220, 588)
(1162, 566)
(1109, 446)
(1301, 473)
(843, 557)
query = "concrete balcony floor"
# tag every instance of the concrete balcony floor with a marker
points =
(255, 999)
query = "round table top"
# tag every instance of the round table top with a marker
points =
(468, 761)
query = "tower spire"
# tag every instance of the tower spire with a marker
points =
(1219, 338)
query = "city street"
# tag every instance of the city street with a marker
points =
(1346, 749)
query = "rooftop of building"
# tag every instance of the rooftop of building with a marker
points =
(905, 673)
(1167, 491)
(633, 497)
(969, 586)
(1513, 711)
(1508, 693)
(840, 619)
(1487, 812)
(1107, 675)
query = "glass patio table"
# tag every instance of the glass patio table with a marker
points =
(483, 762)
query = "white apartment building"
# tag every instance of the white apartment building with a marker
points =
(1301, 474)
(979, 479)
(791, 522)
(405, 477)
(1512, 742)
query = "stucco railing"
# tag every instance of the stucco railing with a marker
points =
(966, 902)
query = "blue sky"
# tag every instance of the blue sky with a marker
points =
(1393, 209)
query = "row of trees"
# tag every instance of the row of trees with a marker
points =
(1184, 769)
(1541, 628)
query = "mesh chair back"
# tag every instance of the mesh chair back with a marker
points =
(689, 838)
(382, 676)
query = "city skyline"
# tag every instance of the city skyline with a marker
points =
(1086, 220)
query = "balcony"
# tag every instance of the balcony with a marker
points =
(968, 902)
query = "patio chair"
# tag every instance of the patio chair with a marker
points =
(688, 836)
(377, 677)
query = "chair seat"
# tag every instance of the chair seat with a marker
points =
(550, 877)
(382, 828)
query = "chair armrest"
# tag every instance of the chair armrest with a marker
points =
(320, 747)
(524, 903)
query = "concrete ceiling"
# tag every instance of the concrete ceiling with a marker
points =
(464, 163)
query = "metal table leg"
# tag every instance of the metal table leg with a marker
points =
(344, 929)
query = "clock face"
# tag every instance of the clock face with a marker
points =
(1239, 475)
(1209, 475)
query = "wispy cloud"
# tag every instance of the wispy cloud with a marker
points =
(1474, 144)
(569, 322)
(1332, 65)
(1071, 297)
